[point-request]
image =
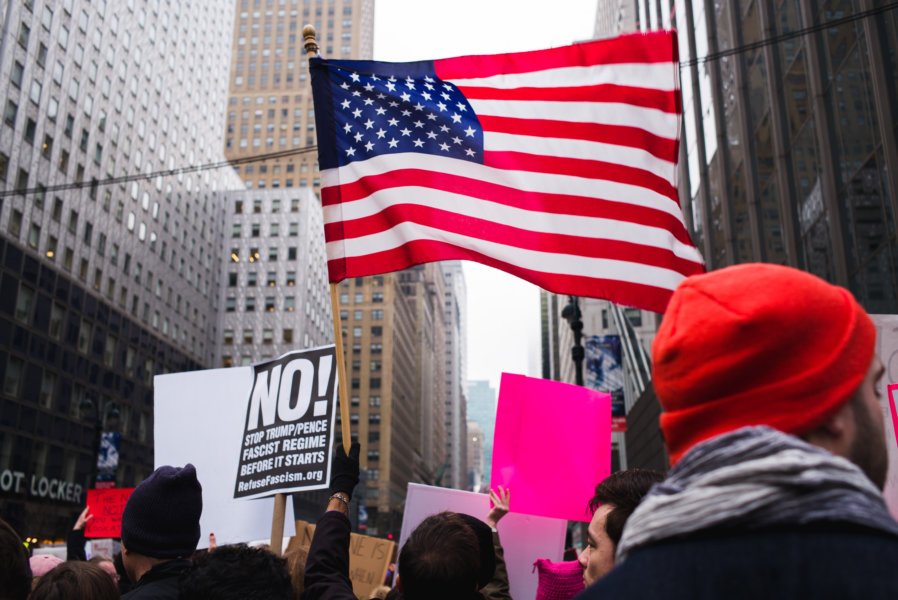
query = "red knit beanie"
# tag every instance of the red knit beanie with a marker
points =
(756, 344)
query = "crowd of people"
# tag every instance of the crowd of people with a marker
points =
(767, 377)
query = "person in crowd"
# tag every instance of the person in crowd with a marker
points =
(75, 540)
(379, 593)
(237, 572)
(40, 565)
(767, 378)
(616, 497)
(107, 564)
(124, 584)
(15, 572)
(296, 566)
(75, 580)
(160, 530)
(327, 565)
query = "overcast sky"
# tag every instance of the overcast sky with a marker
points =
(503, 311)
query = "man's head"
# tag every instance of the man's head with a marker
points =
(161, 519)
(75, 579)
(440, 559)
(758, 344)
(15, 572)
(237, 572)
(615, 500)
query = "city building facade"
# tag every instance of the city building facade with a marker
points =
(270, 106)
(455, 311)
(482, 410)
(105, 282)
(476, 458)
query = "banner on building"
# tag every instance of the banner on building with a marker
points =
(605, 373)
(107, 459)
(106, 506)
(289, 425)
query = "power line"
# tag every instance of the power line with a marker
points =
(78, 185)
(791, 35)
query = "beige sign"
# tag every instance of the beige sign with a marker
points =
(369, 557)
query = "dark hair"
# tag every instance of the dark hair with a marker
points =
(237, 572)
(75, 580)
(296, 566)
(440, 559)
(15, 571)
(623, 491)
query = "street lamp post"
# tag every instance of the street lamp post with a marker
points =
(109, 411)
(571, 313)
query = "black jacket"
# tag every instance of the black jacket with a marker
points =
(160, 582)
(822, 560)
(327, 567)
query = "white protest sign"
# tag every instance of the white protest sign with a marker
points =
(524, 538)
(887, 349)
(200, 418)
(289, 425)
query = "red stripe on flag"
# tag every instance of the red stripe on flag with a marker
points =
(423, 251)
(619, 135)
(578, 167)
(653, 47)
(500, 194)
(645, 97)
(509, 236)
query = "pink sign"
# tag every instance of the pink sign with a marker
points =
(893, 400)
(552, 445)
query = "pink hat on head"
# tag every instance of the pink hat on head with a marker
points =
(41, 564)
(558, 581)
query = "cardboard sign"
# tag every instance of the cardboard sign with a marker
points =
(369, 557)
(199, 418)
(289, 425)
(887, 350)
(106, 506)
(552, 445)
(524, 538)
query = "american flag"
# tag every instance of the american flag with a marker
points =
(558, 166)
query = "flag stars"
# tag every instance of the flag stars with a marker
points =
(444, 147)
(369, 124)
(391, 87)
(369, 146)
(405, 96)
(461, 107)
(380, 110)
(456, 140)
(447, 86)
(393, 142)
(345, 104)
(445, 96)
(350, 151)
(428, 85)
(357, 113)
(354, 77)
(418, 143)
(441, 106)
(369, 101)
(358, 137)
(418, 124)
(380, 133)
(419, 106)
(431, 116)
(444, 128)
(405, 131)
(347, 128)
(425, 95)
(406, 113)
(344, 85)
(369, 87)
(410, 83)
(381, 96)
(469, 152)
(393, 123)
(456, 118)
(469, 132)
(356, 93)
(432, 134)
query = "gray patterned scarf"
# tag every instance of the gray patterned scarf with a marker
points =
(752, 478)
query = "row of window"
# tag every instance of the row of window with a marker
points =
(269, 306)
(249, 336)
(255, 256)
(359, 297)
(255, 229)
(252, 279)
(357, 315)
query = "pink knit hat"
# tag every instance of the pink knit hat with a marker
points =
(42, 563)
(558, 581)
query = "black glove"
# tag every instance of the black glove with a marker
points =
(345, 470)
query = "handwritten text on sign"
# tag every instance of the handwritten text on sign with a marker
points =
(289, 425)
(106, 506)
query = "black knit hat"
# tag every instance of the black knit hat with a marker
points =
(162, 516)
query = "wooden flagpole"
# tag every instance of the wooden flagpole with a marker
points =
(311, 46)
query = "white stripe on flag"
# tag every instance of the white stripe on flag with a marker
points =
(527, 181)
(653, 76)
(654, 121)
(546, 262)
(582, 149)
(537, 222)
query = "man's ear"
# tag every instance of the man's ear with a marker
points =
(835, 433)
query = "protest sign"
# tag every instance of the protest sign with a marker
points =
(106, 506)
(605, 373)
(199, 418)
(887, 350)
(524, 538)
(369, 557)
(552, 445)
(289, 425)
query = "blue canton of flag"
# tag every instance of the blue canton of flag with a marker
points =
(381, 114)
